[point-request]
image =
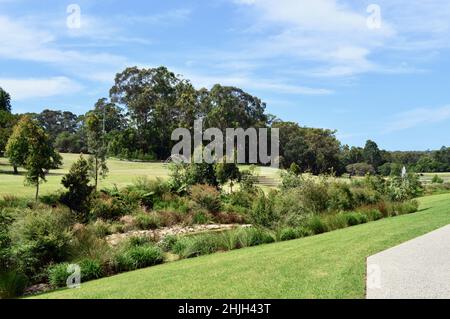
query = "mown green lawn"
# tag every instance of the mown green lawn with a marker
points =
(121, 174)
(331, 265)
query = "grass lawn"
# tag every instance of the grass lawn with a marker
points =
(121, 174)
(331, 265)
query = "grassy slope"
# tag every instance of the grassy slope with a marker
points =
(331, 265)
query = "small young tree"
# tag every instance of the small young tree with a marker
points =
(40, 158)
(295, 169)
(97, 147)
(78, 196)
(227, 173)
(22, 143)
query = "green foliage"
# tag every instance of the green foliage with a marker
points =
(168, 243)
(360, 169)
(96, 146)
(91, 269)
(78, 196)
(131, 258)
(5, 101)
(290, 180)
(340, 197)
(227, 172)
(206, 196)
(146, 221)
(354, 219)
(316, 225)
(12, 284)
(30, 147)
(109, 208)
(295, 169)
(437, 180)
(39, 238)
(58, 274)
(262, 213)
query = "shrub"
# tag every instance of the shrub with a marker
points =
(136, 241)
(263, 213)
(289, 234)
(289, 209)
(51, 199)
(146, 191)
(253, 236)
(109, 208)
(198, 245)
(206, 196)
(132, 258)
(39, 238)
(340, 197)
(316, 225)
(100, 228)
(147, 221)
(336, 221)
(87, 245)
(167, 243)
(314, 195)
(290, 180)
(360, 169)
(58, 274)
(437, 180)
(404, 208)
(12, 284)
(91, 269)
(373, 214)
(78, 195)
(200, 218)
(354, 219)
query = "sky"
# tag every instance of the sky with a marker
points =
(376, 69)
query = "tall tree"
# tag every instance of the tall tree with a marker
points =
(372, 154)
(150, 97)
(5, 101)
(96, 146)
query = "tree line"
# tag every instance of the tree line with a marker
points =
(144, 106)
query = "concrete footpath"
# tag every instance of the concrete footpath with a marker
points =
(417, 269)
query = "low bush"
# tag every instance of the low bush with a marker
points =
(336, 221)
(354, 219)
(198, 245)
(167, 243)
(12, 284)
(289, 234)
(109, 208)
(208, 197)
(91, 269)
(58, 274)
(340, 197)
(316, 225)
(132, 258)
(146, 221)
(253, 236)
(39, 238)
(100, 228)
(373, 214)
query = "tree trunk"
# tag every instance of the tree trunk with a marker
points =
(16, 171)
(37, 191)
(96, 172)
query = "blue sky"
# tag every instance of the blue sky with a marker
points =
(317, 62)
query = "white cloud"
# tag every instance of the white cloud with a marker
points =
(418, 117)
(23, 89)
